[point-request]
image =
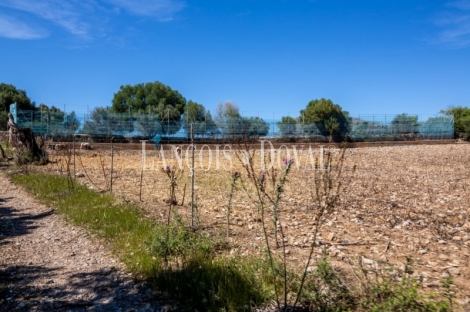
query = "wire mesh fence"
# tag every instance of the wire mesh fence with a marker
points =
(132, 127)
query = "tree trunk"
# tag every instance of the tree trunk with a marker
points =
(23, 138)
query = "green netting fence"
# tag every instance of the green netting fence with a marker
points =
(377, 127)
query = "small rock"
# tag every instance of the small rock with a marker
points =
(433, 284)
(457, 238)
(331, 236)
(406, 223)
(422, 251)
(370, 262)
(334, 252)
(443, 257)
(454, 271)
(464, 302)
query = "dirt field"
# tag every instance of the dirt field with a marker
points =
(400, 201)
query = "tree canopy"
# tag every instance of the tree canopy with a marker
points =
(461, 120)
(362, 129)
(404, 124)
(228, 118)
(287, 125)
(141, 96)
(226, 112)
(9, 94)
(201, 119)
(330, 118)
(52, 120)
(256, 126)
(103, 122)
(151, 98)
(231, 123)
(436, 128)
(71, 123)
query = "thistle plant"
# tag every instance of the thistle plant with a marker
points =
(173, 175)
(279, 189)
(263, 199)
(235, 177)
(327, 186)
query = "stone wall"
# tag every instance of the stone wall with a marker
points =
(3, 136)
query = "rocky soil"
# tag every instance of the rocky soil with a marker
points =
(401, 202)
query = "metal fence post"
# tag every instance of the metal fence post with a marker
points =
(73, 144)
(112, 163)
(192, 177)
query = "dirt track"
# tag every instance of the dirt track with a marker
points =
(47, 264)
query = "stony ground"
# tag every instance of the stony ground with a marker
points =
(49, 265)
(401, 202)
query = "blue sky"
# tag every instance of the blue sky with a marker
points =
(269, 57)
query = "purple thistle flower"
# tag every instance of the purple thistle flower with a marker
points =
(288, 161)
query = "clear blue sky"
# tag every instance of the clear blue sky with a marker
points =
(369, 56)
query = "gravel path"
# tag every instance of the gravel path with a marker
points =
(49, 265)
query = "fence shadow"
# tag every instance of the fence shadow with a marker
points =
(26, 288)
(14, 223)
